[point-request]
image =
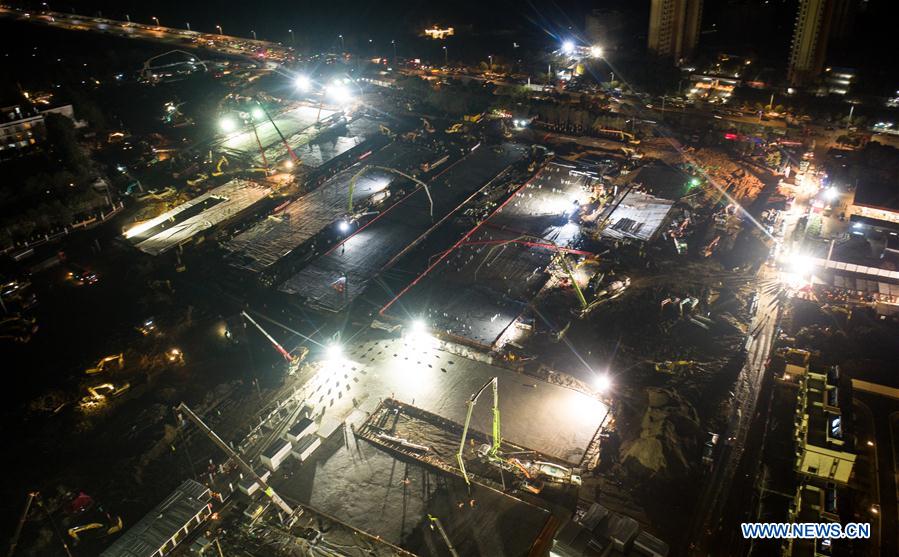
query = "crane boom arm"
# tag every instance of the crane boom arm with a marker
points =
(267, 489)
(284, 353)
(496, 437)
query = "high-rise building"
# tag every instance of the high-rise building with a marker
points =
(674, 27)
(818, 22)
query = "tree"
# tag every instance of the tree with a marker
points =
(63, 143)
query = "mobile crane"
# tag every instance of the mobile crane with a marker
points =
(292, 360)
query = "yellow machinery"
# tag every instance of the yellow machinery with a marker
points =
(76, 531)
(672, 367)
(218, 167)
(455, 128)
(101, 365)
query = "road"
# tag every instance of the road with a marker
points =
(709, 519)
(221, 44)
(885, 432)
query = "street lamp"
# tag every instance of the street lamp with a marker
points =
(253, 33)
(595, 51)
(342, 46)
(257, 113)
(490, 57)
(219, 27)
(293, 39)
(445, 57)
(188, 25)
(334, 351)
(339, 92)
(227, 124)
(393, 42)
(302, 82)
(602, 382)
(343, 226)
(156, 19)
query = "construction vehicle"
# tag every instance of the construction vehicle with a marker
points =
(218, 167)
(99, 529)
(435, 524)
(455, 128)
(293, 361)
(577, 289)
(101, 365)
(98, 394)
(385, 130)
(620, 135)
(671, 367)
(427, 125)
(35, 496)
(529, 475)
(710, 248)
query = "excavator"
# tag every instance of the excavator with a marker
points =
(458, 127)
(427, 125)
(218, 167)
(101, 365)
(672, 367)
(98, 394)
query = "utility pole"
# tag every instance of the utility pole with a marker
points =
(267, 489)
(188, 26)
(445, 56)
(393, 42)
(254, 34)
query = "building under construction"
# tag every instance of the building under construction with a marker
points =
(476, 291)
(338, 277)
(292, 227)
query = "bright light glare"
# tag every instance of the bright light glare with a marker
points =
(343, 226)
(339, 93)
(228, 124)
(302, 82)
(603, 382)
(568, 47)
(419, 326)
(800, 264)
(288, 164)
(334, 351)
(831, 193)
(257, 113)
(596, 51)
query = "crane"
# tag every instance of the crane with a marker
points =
(491, 452)
(577, 289)
(36, 496)
(435, 524)
(284, 353)
(267, 489)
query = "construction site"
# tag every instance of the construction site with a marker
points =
(437, 343)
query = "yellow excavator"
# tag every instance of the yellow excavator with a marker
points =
(218, 167)
(101, 365)
(672, 367)
(455, 128)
